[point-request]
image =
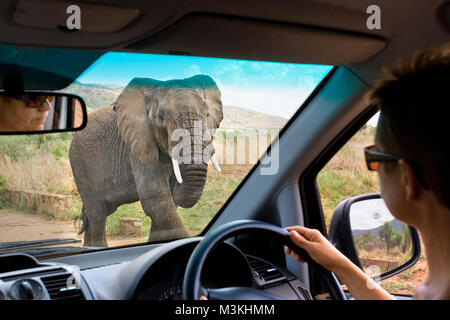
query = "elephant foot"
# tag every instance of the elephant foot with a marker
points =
(167, 234)
(97, 242)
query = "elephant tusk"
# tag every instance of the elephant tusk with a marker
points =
(176, 170)
(215, 163)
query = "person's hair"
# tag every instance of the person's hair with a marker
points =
(413, 97)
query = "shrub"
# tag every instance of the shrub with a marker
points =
(3, 182)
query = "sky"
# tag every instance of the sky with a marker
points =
(369, 214)
(268, 87)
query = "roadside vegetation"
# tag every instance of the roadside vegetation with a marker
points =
(346, 174)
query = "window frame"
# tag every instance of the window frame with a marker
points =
(309, 191)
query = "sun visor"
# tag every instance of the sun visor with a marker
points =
(44, 69)
(30, 13)
(225, 36)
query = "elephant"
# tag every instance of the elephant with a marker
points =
(127, 153)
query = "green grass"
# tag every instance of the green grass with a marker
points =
(394, 287)
(407, 274)
(214, 196)
(194, 219)
(338, 185)
(132, 210)
(24, 147)
(15, 148)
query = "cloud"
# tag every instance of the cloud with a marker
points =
(283, 102)
(192, 70)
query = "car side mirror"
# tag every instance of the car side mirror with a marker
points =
(364, 230)
(41, 112)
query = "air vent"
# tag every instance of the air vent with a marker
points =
(264, 271)
(32, 274)
(304, 293)
(58, 288)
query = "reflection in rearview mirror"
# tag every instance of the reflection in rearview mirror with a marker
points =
(41, 112)
(383, 243)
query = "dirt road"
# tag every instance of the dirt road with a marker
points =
(19, 226)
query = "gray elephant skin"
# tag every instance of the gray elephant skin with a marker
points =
(125, 154)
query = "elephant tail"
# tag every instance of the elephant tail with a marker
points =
(81, 222)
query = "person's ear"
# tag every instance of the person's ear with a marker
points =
(409, 181)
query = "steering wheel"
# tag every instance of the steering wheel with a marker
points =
(192, 288)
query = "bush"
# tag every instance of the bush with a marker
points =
(57, 153)
(3, 185)
(37, 163)
(3, 182)
(15, 148)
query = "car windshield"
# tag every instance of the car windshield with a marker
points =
(168, 140)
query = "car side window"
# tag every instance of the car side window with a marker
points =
(345, 176)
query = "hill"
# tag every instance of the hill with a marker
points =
(397, 225)
(99, 95)
(236, 117)
(95, 95)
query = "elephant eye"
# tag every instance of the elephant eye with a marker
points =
(161, 117)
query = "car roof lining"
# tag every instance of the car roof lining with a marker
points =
(255, 30)
(257, 38)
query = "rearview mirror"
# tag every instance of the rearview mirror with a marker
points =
(41, 112)
(365, 231)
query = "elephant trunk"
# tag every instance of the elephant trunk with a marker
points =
(190, 161)
(188, 193)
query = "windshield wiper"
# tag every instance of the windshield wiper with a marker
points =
(8, 246)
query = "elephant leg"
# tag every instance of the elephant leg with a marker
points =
(166, 225)
(95, 234)
(157, 202)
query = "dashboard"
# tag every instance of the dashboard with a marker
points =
(156, 274)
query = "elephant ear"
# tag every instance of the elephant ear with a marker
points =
(131, 109)
(210, 92)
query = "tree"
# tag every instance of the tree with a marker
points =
(386, 233)
(396, 238)
(406, 243)
(365, 241)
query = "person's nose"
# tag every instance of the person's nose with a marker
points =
(45, 106)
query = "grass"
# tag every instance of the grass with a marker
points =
(194, 219)
(397, 287)
(37, 163)
(346, 175)
(215, 194)
(408, 274)
(132, 210)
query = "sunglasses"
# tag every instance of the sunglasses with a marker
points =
(33, 101)
(374, 157)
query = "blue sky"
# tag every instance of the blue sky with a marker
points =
(273, 88)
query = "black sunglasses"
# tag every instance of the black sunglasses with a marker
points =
(374, 157)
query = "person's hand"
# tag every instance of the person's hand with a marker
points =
(318, 247)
